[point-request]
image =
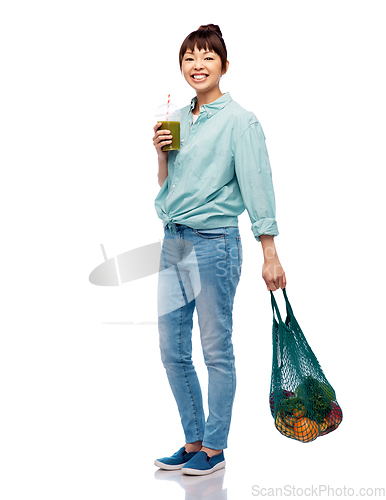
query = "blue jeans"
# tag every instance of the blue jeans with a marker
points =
(200, 268)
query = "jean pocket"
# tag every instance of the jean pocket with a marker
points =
(217, 232)
(240, 247)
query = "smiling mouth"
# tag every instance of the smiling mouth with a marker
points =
(200, 78)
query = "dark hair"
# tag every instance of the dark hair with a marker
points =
(208, 37)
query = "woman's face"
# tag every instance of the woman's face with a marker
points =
(202, 69)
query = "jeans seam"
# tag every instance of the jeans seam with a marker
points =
(230, 333)
(238, 239)
(229, 264)
(226, 250)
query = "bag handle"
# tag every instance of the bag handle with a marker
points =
(275, 306)
(289, 308)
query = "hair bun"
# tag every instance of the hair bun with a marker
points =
(211, 27)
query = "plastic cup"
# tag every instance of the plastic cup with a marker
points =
(169, 116)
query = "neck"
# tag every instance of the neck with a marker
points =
(207, 97)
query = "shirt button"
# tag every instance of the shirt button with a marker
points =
(178, 163)
(174, 185)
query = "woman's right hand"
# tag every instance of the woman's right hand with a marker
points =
(161, 138)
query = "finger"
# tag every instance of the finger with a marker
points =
(161, 134)
(161, 144)
(163, 131)
(160, 138)
(270, 285)
(267, 280)
(279, 282)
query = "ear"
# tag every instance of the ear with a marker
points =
(225, 69)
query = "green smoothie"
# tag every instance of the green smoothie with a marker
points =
(174, 128)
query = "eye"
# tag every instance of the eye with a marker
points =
(188, 59)
(209, 58)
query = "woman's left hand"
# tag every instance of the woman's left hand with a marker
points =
(273, 274)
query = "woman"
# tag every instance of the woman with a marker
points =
(221, 169)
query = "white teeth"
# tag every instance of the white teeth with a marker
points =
(199, 77)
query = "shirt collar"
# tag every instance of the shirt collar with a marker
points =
(214, 106)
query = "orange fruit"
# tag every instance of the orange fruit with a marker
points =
(306, 430)
(288, 419)
(323, 426)
(279, 424)
(282, 427)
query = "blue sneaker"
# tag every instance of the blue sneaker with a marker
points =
(176, 461)
(201, 464)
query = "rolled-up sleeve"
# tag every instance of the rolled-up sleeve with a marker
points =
(254, 176)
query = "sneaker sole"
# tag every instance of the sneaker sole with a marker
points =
(161, 465)
(198, 472)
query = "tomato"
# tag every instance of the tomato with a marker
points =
(333, 418)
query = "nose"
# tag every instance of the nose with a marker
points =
(198, 65)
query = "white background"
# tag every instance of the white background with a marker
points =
(85, 402)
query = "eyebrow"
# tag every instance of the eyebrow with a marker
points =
(206, 52)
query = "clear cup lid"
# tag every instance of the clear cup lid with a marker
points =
(165, 112)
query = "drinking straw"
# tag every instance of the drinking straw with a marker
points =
(167, 111)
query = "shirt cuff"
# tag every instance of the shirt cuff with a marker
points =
(264, 226)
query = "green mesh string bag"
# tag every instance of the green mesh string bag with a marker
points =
(302, 401)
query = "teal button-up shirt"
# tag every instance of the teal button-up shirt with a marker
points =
(221, 169)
